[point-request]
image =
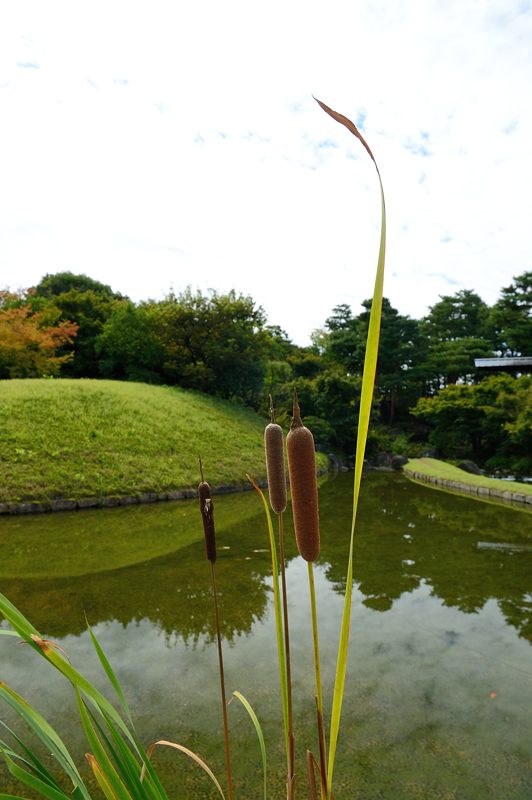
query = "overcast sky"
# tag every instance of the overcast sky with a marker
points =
(155, 145)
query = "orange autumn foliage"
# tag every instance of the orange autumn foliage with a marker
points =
(29, 341)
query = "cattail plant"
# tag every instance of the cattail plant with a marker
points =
(303, 486)
(276, 473)
(304, 490)
(275, 465)
(207, 516)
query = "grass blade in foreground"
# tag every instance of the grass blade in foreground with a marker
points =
(190, 754)
(260, 735)
(115, 683)
(278, 617)
(368, 380)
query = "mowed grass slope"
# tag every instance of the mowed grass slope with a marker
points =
(90, 438)
(433, 468)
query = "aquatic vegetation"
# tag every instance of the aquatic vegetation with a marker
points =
(119, 763)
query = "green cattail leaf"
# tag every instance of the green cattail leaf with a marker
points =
(115, 683)
(33, 782)
(104, 767)
(51, 740)
(11, 797)
(26, 631)
(368, 381)
(16, 619)
(34, 763)
(278, 617)
(260, 736)
(127, 766)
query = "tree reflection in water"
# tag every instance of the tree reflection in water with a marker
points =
(407, 535)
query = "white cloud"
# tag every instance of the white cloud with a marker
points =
(177, 144)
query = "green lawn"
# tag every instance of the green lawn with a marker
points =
(89, 438)
(432, 468)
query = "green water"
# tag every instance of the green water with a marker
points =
(439, 691)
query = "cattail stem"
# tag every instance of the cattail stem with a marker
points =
(291, 750)
(317, 671)
(222, 685)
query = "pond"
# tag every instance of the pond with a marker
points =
(439, 689)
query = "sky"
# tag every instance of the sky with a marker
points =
(164, 144)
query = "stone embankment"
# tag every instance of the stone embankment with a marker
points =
(113, 501)
(483, 492)
(62, 504)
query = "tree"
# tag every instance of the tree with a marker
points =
(215, 343)
(58, 283)
(90, 310)
(89, 304)
(128, 348)
(448, 362)
(488, 421)
(400, 352)
(511, 316)
(30, 341)
(400, 355)
(458, 316)
(455, 332)
(341, 341)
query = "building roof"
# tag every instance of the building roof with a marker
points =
(512, 362)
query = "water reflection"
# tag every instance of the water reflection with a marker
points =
(409, 534)
(468, 552)
(443, 583)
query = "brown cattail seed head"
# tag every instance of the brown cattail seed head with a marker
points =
(207, 516)
(304, 487)
(273, 446)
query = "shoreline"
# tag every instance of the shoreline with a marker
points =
(63, 504)
(112, 501)
(461, 485)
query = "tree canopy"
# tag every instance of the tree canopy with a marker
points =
(221, 344)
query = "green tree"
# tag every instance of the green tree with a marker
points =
(57, 283)
(458, 316)
(215, 343)
(90, 310)
(401, 352)
(447, 362)
(488, 421)
(88, 303)
(511, 317)
(341, 341)
(456, 330)
(128, 348)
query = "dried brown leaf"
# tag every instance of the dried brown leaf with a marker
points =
(189, 753)
(348, 124)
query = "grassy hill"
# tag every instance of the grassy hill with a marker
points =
(77, 439)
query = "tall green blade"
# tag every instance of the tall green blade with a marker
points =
(11, 797)
(260, 735)
(51, 740)
(115, 683)
(36, 765)
(97, 750)
(33, 782)
(278, 616)
(368, 381)
(48, 651)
